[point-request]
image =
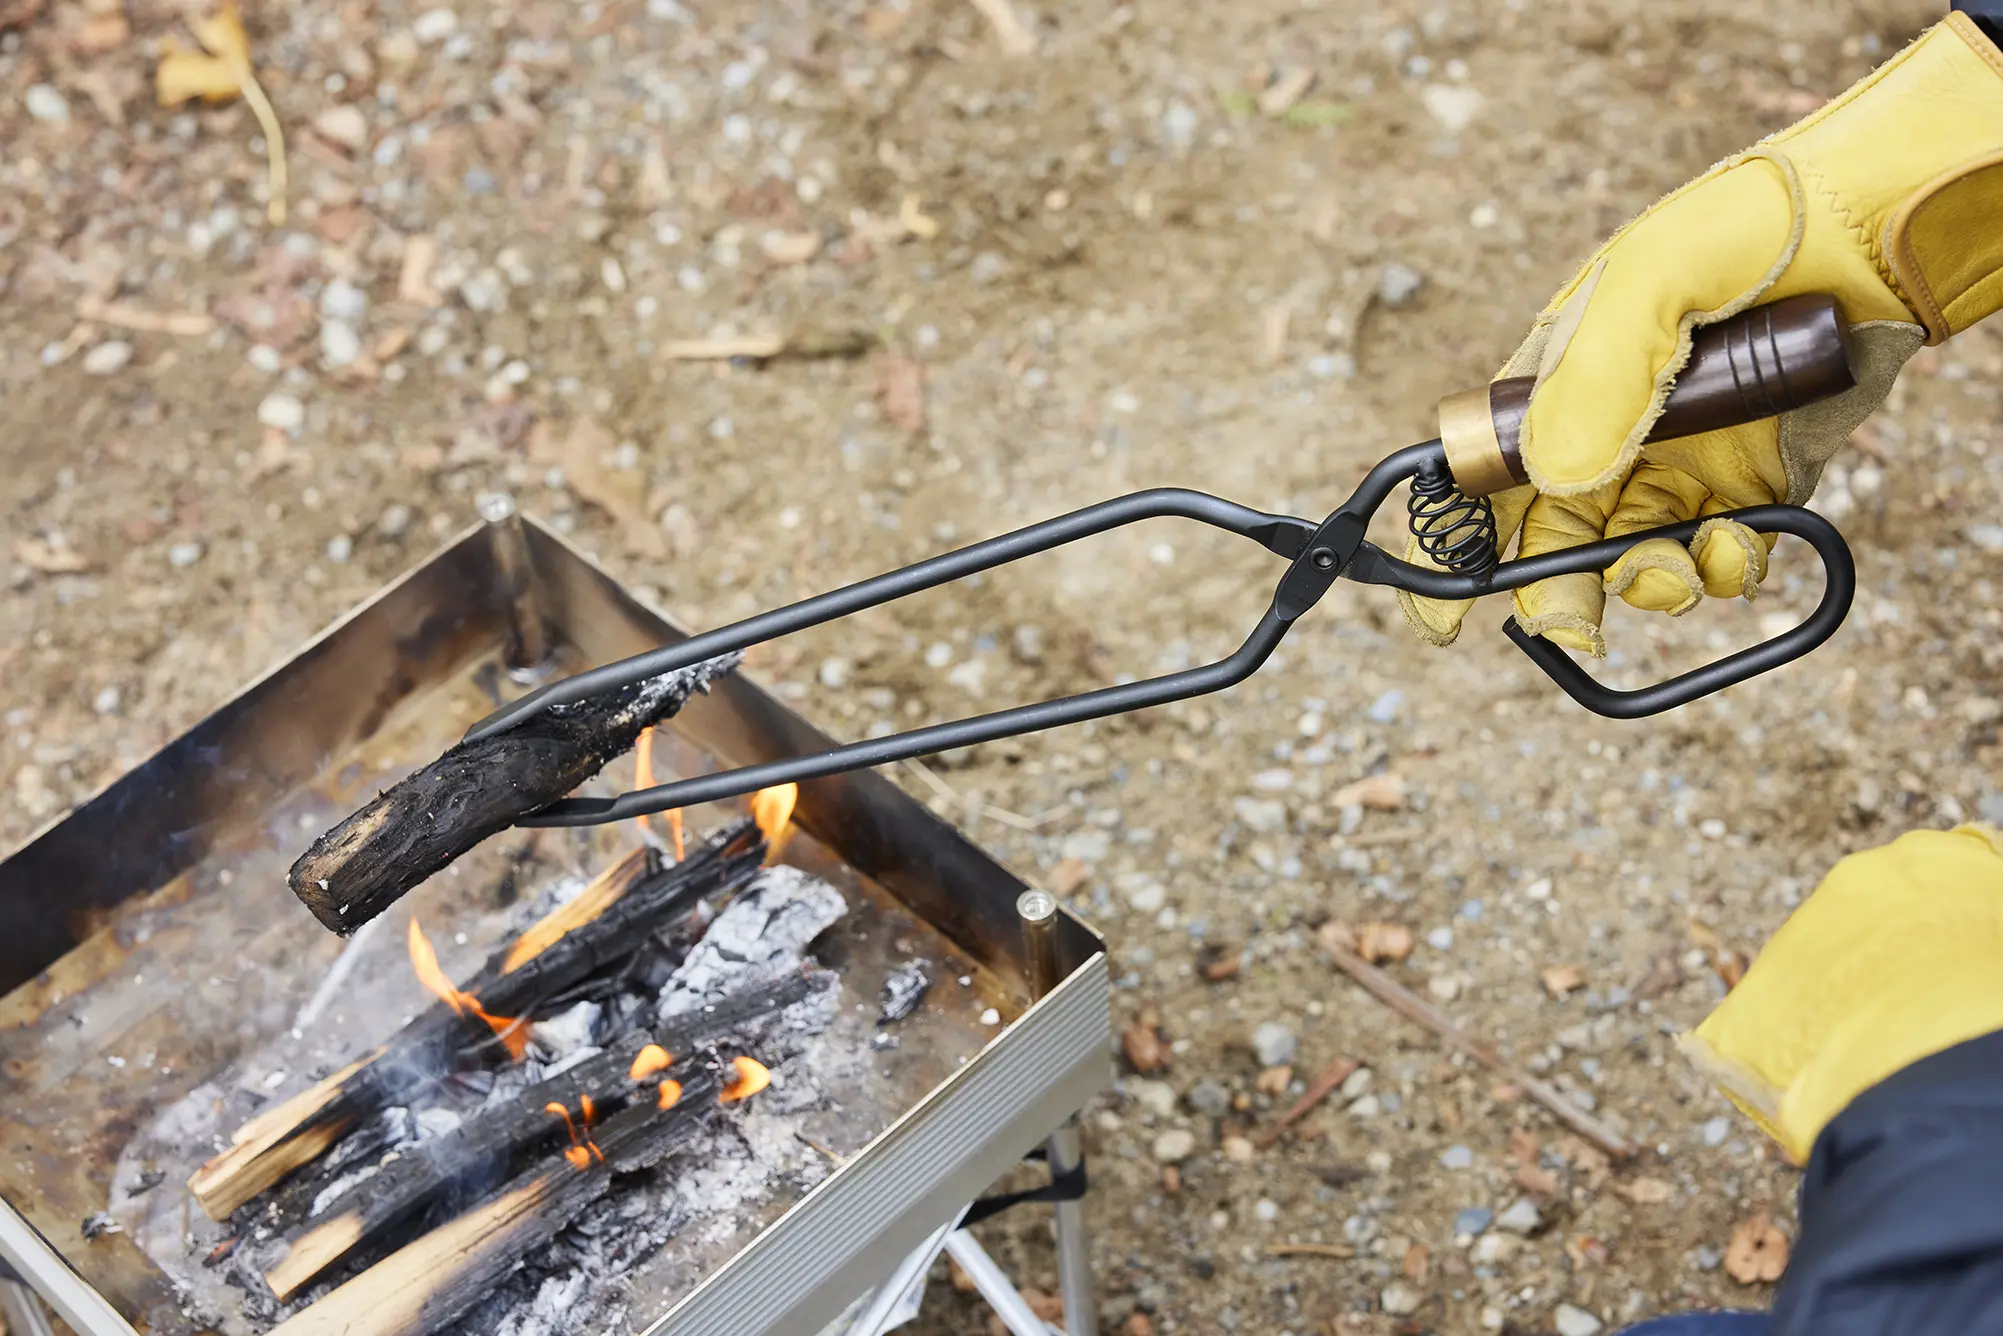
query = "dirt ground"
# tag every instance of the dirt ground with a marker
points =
(1089, 269)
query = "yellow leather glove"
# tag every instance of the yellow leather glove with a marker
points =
(1893, 958)
(1890, 198)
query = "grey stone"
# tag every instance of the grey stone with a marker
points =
(1385, 708)
(1473, 1220)
(1398, 284)
(394, 522)
(1028, 644)
(1175, 1145)
(1209, 1099)
(1155, 1097)
(1716, 1130)
(1440, 939)
(1522, 1217)
(1990, 807)
(1274, 1044)
(1263, 816)
(1178, 126)
(342, 300)
(1988, 537)
(1457, 1157)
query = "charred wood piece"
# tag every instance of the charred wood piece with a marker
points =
(271, 1146)
(420, 824)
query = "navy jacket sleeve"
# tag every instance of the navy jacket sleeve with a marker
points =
(1902, 1207)
(1987, 13)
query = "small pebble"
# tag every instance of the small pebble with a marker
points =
(282, 412)
(339, 344)
(1385, 708)
(1154, 1097)
(339, 548)
(1457, 1157)
(1209, 1099)
(1522, 1217)
(1266, 1210)
(106, 700)
(1175, 1145)
(1356, 1083)
(265, 358)
(44, 103)
(394, 522)
(107, 358)
(435, 25)
(1716, 1130)
(991, 1017)
(938, 654)
(834, 672)
(344, 125)
(1027, 643)
(1398, 284)
(182, 555)
(342, 300)
(1440, 939)
(1988, 537)
(1274, 1044)
(1400, 1300)
(1366, 1108)
(1706, 1259)
(1445, 987)
(1572, 1321)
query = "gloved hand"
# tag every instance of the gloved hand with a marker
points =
(1893, 958)
(1890, 198)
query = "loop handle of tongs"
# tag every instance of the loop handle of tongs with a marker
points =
(1319, 553)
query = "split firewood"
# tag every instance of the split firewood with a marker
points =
(495, 1135)
(367, 862)
(271, 1146)
(432, 1281)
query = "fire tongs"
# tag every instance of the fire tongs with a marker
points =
(1761, 363)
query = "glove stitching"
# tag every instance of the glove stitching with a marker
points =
(1865, 237)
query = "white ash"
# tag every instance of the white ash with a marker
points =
(764, 932)
(568, 1031)
(661, 1227)
(668, 691)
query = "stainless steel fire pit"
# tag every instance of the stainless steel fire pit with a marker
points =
(147, 942)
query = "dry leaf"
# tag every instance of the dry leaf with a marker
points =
(616, 492)
(912, 217)
(100, 33)
(790, 247)
(901, 386)
(1559, 980)
(1757, 1253)
(1144, 1049)
(1536, 1178)
(49, 560)
(1648, 1191)
(1218, 963)
(1378, 942)
(1336, 935)
(1274, 1080)
(1377, 793)
(224, 73)
(1067, 876)
(1729, 964)
(413, 281)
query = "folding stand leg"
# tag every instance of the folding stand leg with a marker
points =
(911, 1271)
(994, 1286)
(1074, 1245)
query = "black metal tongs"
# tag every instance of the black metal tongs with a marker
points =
(1759, 364)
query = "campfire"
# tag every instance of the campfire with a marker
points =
(707, 1076)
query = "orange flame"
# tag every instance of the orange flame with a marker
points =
(643, 778)
(752, 1077)
(513, 1033)
(653, 1058)
(671, 1094)
(772, 810)
(582, 1148)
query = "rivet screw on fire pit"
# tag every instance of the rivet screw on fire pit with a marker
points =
(529, 657)
(1064, 1152)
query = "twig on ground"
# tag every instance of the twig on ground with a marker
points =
(1406, 1003)
(1331, 1076)
(124, 316)
(1340, 1251)
(1016, 39)
(769, 347)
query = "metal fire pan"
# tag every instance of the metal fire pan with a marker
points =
(84, 895)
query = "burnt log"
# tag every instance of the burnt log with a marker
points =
(484, 1144)
(268, 1148)
(433, 1280)
(421, 823)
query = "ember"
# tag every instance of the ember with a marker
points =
(671, 1095)
(424, 960)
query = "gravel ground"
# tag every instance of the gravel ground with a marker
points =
(1125, 259)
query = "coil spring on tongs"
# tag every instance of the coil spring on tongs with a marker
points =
(1454, 529)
